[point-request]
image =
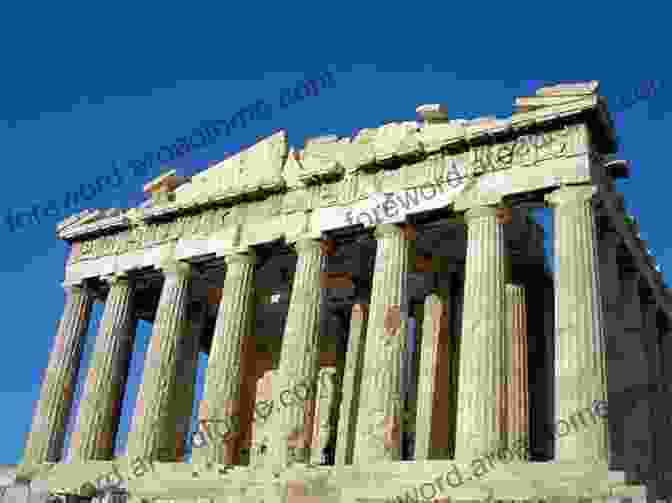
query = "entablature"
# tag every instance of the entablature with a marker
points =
(278, 169)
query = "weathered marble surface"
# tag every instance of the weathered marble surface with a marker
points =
(292, 188)
(380, 482)
(285, 213)
(268, 166)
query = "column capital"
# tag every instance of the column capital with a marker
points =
(176, 268)
(83, 285)
(480, 212)
(116, 278)
(307, 245)
(407, 230)
(516, 293)
(249, 257)
(571, 194)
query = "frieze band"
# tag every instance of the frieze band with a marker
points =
(524, 150)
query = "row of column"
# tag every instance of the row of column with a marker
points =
(164, 397)
(156, 432)
(636, 373)
(492, 367)
(382, 329)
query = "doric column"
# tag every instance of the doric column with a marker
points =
(379, 421)
(265, 418)
(299, 357)
(100, 407)
(47, 433)
(648, 396)
(220, 408)
(633, 384)
(323, 424)
(664, 460)
(187, 362)
(411, 383)
(517, 414)
(434, 414)
(153, 427)
(251, 364)
(329, 453)
(481, 364)
(352, 382)
(579, 338)
(433, 426)
(617, 366)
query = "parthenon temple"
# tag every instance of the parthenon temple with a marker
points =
(402, 274)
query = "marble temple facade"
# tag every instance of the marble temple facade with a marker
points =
(434, 329)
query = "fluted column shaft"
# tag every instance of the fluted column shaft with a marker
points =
(220, 408)
(187, 361)
(100, 407)
(152, 430)
(648, 401)
(433, 427)
(379, 422)
(630, 403)
(266, 418)
(352, 382)
(481, 363)
(664, 459)
(47, 433)
(299, 357)
(617, 367)
(579, 338)
(323, 424)
(517, 413)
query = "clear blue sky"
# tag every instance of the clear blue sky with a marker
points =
(86, 85)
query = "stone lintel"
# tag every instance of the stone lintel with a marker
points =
(302, 222)
(247, 256)
(491, 188)
(80, 283)
(115, 277)
(176, 269)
